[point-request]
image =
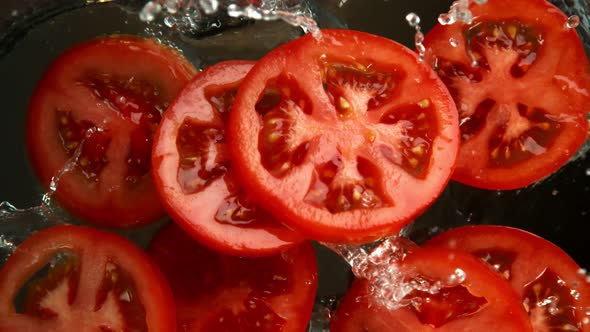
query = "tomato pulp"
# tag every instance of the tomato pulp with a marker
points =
(519, 77)
(346, 137)
(95, 281)
(95, 110)
(551, 286)
(221, 293)
(471, 297)
(192, 169)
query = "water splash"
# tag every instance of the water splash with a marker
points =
(459, 12)
(323, 311)
(379, 264)
(414, 21)
(306, 23)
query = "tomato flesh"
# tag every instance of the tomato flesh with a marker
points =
(91, 124)
(216, 292)
(550, 286)
(333, 142)
(89, 278)
(482, 300)
(496, 68)
(194, 174)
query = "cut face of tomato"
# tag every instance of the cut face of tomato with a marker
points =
(520, 80)
(553, 289)
(92, 279)
(95, 111)
(192, 170)
(336, 134)
(481, 301)
(216, 292)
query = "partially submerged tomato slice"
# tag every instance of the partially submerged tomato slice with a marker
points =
(520, 80)
(81, 279)
(95, 110)
(216, 292)
(346, 137)
(553, 289)
(193, 175)
(468, 297)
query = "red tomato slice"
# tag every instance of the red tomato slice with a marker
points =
(346, 138)
(221, 293)
(552, 287)
(103, 100)
(523, 102)
(95, 281)
(191, 162)
(481, 302)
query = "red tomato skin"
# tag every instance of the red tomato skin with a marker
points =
(533, 255)
(280, 198)
(39, 248)
(110, 207)
(195, 213)
(562, 54)
(202, 293)
(358, 312)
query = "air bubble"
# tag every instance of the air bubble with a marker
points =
(575, 294)
(453, 42)
(581, 272)
(170, 21)
(413, 19)
(587, 171)
(172, 6)
(572, 22)
(554, 192)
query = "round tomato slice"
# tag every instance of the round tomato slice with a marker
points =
(80, 279)
(477, 299)
(520, 80)
(191, 163)
(554, 290)
(95, 111)
(221, 293)
(346, 137)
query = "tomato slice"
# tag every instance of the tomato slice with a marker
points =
(96, 110)
(552, 287)
(482, 301)
(191, 166)
(520, 80)
(221, 293)
(335, 134)
(93, 281)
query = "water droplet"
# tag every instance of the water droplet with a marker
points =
(585, 320)
(149, 11)
(170, 21)
(554, 192)
(453, 42)
(14, 13)
(575, 294)
(209, 6)
(457, 277)
(172, 6)
(581, 272)
(481, 2)
(413, 19)
(572, 22)
(446, 19)
(587, 171)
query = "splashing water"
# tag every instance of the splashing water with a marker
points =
(459, 12)
(379, 263)
(307, 24)
(414, 21)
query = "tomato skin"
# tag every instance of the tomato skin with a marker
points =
(531, 257)
(196, 212)
(559, 73)
(210, 287)
(92, 246)
(284, 197)
(502, 312)
(112, 201)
